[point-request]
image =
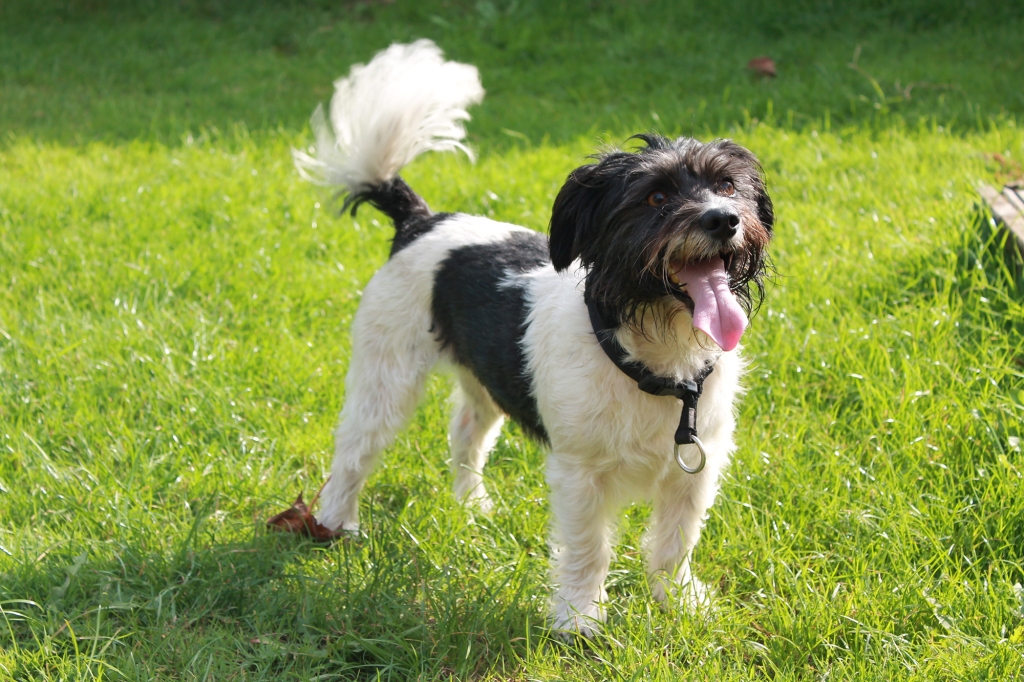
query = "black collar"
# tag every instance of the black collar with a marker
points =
(649, 382)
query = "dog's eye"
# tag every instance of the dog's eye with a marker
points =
(725, 188)
(656, 199)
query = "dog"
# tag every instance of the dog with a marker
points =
(597, 340)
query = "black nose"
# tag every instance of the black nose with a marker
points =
(720, 223)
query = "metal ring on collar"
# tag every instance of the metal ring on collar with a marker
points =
(703, 458)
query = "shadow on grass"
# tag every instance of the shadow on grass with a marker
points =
(365, 609)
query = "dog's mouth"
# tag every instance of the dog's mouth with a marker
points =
(678, 290)
(703, 287)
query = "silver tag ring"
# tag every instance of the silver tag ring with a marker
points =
(703, 458)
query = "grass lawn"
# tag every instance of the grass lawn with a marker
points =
(174, 307)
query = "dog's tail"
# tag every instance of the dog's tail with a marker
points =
(406, 101)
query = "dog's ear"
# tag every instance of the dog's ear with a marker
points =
(765, 210)
(573, 215)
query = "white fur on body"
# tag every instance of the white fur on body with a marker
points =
(611, 444)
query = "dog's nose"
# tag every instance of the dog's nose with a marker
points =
(720, 223)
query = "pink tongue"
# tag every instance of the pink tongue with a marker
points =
(716, 312)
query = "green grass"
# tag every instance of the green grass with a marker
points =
(174, 306)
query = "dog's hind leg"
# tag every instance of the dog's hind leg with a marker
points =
(393, 350)
(475, 427)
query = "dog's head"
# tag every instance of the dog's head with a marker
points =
(678, 222)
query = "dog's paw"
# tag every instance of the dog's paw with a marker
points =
(340, 515)
(690, 595)
(337, 522)
(345, 529)
(473, 494)
(569, 621)
(569, 628)
(481, 503)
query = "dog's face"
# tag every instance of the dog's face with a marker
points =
(636, 220)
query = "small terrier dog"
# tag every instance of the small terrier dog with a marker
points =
(654, 260)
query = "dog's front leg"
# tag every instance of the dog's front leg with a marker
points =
(680, 506)
(582, 530)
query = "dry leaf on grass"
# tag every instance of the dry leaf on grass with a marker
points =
(299, 519)
(1010, 172)
(764, 66)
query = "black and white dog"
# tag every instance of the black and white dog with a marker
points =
(653, 261)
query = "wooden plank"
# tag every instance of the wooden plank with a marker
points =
(1008, 209)
(1015, 221)
(1016, 199)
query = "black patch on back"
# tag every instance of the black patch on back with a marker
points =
(413, 228)
(480, 316)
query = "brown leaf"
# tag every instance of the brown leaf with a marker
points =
(764, 66)
(1010, 172)
(298, 519)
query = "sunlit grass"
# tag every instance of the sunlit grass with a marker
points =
(173, 348)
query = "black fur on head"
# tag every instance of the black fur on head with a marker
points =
(632, 215)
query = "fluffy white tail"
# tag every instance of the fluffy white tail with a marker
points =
(406, 101)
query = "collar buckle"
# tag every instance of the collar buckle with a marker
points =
(687, 390)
